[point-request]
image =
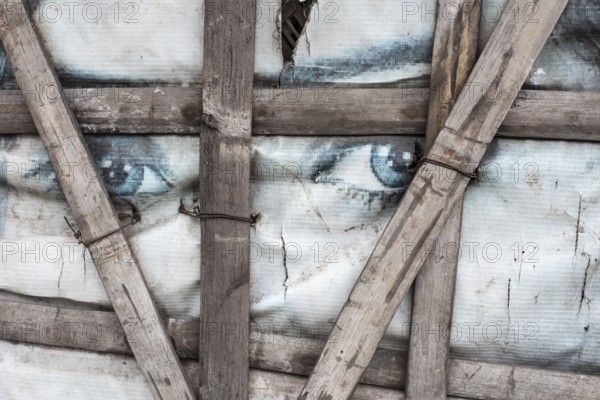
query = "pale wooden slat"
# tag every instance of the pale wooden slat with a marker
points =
(276, 386)
(177, 110)
(43, 324)
(454, 55)
(228, 75)
(493, 381)
(92, 208)
(424, 208)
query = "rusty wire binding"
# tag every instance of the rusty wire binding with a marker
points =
(196, 213)
(136, 217)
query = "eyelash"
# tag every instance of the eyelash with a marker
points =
(391, 173)
(382, 197)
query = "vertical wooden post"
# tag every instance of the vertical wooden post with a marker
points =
(454, 55)
(229, 34)
(91, 206)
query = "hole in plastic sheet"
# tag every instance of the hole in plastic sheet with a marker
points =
(294, 17)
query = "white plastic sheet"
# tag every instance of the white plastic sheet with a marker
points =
(527, 279)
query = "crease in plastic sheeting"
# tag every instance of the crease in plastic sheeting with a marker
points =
(285, 267)
(305, 34)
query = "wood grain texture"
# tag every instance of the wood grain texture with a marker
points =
(93, 211)
(424, 208)
(178, 110)
(229, 30)
(276, 386)
(454, 55)
(65, 327)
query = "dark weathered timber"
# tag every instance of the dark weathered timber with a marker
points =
(229, 30)
(433, 193)
(535, 114)
(92, 209)
(49, 325)
(454, 55)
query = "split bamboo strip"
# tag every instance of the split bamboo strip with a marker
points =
(454, 55)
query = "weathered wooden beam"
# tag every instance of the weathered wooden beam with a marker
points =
(228, 77)
(454, 55)
(426, 204)
(535, 114)
(100, 331)
(277, 386)
(93, 211)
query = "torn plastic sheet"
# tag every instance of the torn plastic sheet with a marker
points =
(365, 42)
(528, 271)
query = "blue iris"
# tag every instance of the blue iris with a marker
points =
(121, 177)
(390, 167)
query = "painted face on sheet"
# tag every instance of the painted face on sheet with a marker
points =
(351, 42)
(569, 60)
(324, 204)
(149, 174)
(324, 201)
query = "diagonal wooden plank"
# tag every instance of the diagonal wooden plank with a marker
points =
(454, 55)
(433, 193)
(92, 208)
(229, 35)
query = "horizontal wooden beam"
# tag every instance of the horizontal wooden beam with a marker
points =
(301, 112)
(100, 331)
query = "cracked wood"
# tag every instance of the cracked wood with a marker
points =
(225, 189)
(391, 269)
(454, 55)
(91, 206)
